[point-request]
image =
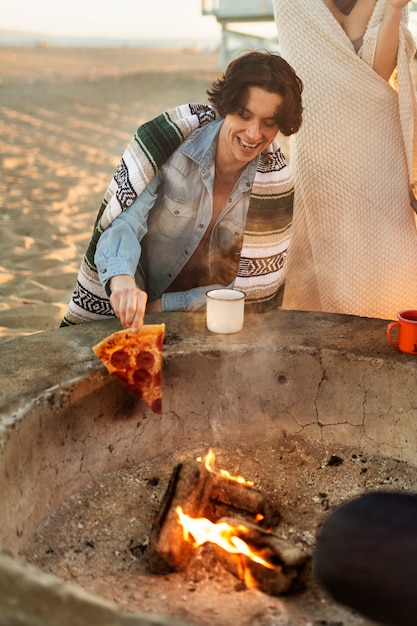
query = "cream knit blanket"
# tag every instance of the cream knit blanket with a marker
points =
(354, 245)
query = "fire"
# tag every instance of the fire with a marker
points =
(209, 463)
(201, 530)
(236, 540)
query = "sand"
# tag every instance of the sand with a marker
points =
(66, 115)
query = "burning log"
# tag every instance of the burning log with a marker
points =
(199, 492)
(233, 496)
(200, 507)
(189, 489)
(230, 499)
(262, 560)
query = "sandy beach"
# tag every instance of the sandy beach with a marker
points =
(66, 115)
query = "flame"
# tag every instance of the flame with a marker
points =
(201, 530)
(209, 462)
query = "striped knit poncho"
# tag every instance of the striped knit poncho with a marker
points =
(261, 270)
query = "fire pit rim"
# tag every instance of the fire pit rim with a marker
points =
(32, 364)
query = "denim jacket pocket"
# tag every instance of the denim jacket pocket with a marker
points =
(229, 233)
(174, 217)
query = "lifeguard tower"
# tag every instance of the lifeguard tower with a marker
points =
(229, 13)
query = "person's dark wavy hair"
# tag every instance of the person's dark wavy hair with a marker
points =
(269, 71)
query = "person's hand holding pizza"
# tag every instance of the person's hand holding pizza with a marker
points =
(128, 301)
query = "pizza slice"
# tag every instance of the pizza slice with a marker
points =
(136, 360)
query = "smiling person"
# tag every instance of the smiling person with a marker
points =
(354, 161)
(209, 172)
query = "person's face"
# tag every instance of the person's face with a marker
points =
(246, 133)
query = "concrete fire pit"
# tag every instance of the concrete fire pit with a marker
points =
(64, 421)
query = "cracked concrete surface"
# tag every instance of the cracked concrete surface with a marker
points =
(64, 420)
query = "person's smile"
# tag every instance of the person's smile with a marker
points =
(246, 145)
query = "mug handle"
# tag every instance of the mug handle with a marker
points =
(389, 333)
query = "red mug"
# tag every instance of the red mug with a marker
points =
(406, 335)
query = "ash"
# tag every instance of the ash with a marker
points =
(98, 537)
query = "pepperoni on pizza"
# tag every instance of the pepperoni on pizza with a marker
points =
(136, 360)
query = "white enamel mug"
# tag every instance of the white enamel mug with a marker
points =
(225, 310)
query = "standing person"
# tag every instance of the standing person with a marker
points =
(354, 244)
(192, 186)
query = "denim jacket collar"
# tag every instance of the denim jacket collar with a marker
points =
(201, 148)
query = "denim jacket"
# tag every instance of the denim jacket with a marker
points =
(166, 222)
